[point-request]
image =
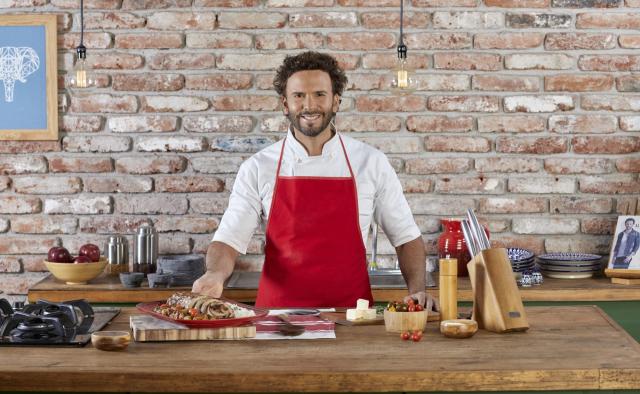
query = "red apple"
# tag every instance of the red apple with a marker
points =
(59, 255)
(91, 251)
(81, 259)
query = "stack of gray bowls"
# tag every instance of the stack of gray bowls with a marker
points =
(185, 269)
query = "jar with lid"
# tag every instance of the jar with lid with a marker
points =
(117, 253)
(145, 250)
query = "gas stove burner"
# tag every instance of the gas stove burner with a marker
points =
(76, 313)
(68, 323)
(39, 329)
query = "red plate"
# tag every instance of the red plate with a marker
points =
(147, 307)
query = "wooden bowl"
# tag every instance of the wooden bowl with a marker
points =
(405, 321)
(458, 328)
(76, 274)
(110, 340)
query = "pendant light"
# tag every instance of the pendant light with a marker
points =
(82, 76)
(403, 81)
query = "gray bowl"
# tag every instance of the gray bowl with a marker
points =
(159, 280)
(131, 279)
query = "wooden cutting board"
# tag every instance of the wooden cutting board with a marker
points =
(148, 328)
(341, 318)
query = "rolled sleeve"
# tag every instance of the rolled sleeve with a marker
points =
(242, 217)
(392, 211)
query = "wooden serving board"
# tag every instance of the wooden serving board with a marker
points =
(341, 318)
(148, 328)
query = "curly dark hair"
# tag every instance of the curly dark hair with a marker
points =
(310, 61)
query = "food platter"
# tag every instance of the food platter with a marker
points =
(148, 307)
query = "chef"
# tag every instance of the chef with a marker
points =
(317, 192)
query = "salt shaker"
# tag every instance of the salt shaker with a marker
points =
(145, 250)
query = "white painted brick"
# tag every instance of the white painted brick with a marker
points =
(250, 62)
(142, 124)
(47, 185)
(539, 61)
(542, 185)
(630, 123)
(169, 205)
(538, 103)
(100, 144)
(22, 165)
(171, 144)
(174, 104)
(218, 124)
(217, 165)
(81, 205)
(545, 226)
(395, 145)
(468, 20)
(444, 205)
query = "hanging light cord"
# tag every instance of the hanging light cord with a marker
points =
(81, 49)
(402, 49)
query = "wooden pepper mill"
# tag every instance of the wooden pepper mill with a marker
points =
(448, 289)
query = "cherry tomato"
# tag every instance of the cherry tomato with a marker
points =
(411, 308)
(416, 336)
(405, 336)
(193, 311)
(419, 308)
(410, 302)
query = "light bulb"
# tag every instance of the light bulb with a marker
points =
(403, 80)
(82, 76)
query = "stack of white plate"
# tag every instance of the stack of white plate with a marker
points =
(569, 265)
(521, 259)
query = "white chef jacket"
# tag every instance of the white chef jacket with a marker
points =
(380, 194)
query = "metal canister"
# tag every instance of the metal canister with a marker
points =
(145, 250)
(117, 252)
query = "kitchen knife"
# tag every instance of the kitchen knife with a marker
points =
(466, 231)
(477, 230)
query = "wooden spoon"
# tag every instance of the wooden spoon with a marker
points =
(289, 329)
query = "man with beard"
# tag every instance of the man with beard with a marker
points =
(318, 192)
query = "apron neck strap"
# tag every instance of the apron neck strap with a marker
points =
(344, 150)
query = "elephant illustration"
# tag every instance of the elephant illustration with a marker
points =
(16, 63)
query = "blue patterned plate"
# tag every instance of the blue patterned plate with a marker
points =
(566, 256)
(517, 254)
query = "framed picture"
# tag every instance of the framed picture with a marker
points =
(28, 77)
(624, 259)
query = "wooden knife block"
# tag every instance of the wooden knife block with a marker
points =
(497, 305)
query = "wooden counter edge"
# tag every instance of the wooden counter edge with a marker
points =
(330, 381)
(249, 295)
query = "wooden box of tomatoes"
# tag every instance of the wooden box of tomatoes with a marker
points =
(401, 317)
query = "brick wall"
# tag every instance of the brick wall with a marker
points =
(526, 111)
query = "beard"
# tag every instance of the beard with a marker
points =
(314, 128)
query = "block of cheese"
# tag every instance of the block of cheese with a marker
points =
(361, 314)
(362, 304)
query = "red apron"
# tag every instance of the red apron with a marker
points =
(314, 254)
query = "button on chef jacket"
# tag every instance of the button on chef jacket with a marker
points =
(379, 191)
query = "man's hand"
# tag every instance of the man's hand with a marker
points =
(211, 284)
(425, 299)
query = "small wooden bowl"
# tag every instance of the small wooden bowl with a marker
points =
(458, 328)
(110, 340)
(405, 321)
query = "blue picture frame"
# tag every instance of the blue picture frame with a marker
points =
(28, 77)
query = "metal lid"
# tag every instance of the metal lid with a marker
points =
(146, 229)
(117, 239)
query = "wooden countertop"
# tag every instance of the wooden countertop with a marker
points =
(109, 290)
(566, 348)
